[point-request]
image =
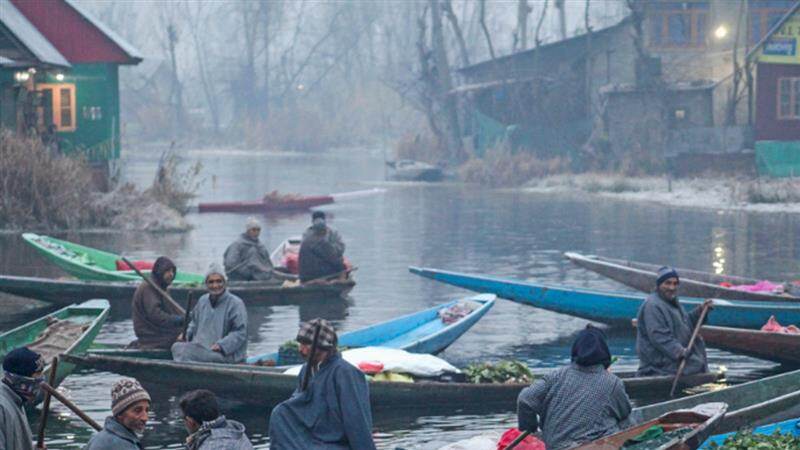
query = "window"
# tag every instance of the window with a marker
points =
(789, 98)
(58, 105)
(764, 14)
(678, 24)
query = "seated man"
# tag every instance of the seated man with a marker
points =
(156, 321)
(22, 375)
(577, 403)
(247, 259)
(217, 330)
(332, 410)
(321, 251)
(130, 404)
(208, 429)
(664, 330)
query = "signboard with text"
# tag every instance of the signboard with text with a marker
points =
(782, 47)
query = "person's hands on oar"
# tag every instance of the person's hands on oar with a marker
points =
(707, 304)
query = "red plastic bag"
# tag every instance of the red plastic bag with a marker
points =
(529, 443)
(370, 367)
(141, 265)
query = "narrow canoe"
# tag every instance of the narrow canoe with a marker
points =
(268, 386)
(70, 331)
(63, 292)
(790, 427)
(694, 283)
(266, 205)
(779, 347)
(753, 403)
(701, 420)
(609, 306)
(87, 263)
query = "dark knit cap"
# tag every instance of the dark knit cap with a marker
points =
(665, 273)
(590, 348)
(317, 215)
(327, 340)
(23, 361)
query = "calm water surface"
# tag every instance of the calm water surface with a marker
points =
(504, 233)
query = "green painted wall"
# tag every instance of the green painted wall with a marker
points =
(8, 109)
(97, 110)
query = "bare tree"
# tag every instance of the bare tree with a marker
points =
(447, 7)
(168, 17)
(521, 32)
(562, 17)
(734, 94)
(485, 29)
(589, 59)
(444, 83)
(197, 14)
(536, 39)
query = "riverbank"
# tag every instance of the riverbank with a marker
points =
(705, 193)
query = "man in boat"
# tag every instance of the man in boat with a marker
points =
(579, 402)
(333, 411)
(208, 429)
(156, 321)
(247, 258)
(130, 404)
(22, 375)
(664, 330)
(217, 330)
(321, 251)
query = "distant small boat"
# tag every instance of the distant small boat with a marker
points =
(69, 331)
(700, 421)
(287, 254)
(270, 203)
(694, 283)
(610, 306)
(410, 170)
(779, 347)
(790, 427)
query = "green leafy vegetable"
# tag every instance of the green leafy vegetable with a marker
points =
(501, 372)
(746, 440)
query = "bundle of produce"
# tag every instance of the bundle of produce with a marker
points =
(501, 372)
(747, 440)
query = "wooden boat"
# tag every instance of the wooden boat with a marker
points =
(64, 292)
(609, 306)
(268, 386)
(753, 403)
(779, 347)
(87, 263)
(68, 331)
(694, 283)
(270, 203)
(697, 424)
(410, 170)
(790, 427)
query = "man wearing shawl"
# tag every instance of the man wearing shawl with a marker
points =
(156, 321)
(321, 251)
(217, 330)
(664, 330)
(577, 403)
(333, 411)
(247, 258)
(22, 375)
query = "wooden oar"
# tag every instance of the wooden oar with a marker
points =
(311, 355)
(154, 286)
(333, 275)
(689, 348)
(49, 389)
(518, 440)
(46, 404)
(188, 310)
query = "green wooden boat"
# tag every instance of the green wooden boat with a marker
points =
(87, 263)
(68, 331)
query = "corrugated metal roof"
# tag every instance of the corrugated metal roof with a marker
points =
(132, 52)
(29, 36)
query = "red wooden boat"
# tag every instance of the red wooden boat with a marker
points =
(271, 202)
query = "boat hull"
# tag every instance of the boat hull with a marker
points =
(791, 427)
(64, 292)
(779, 347)
(616, 308)
(263, 206)
(642, 277)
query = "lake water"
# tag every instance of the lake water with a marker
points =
(464, 228)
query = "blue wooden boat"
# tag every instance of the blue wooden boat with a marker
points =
(610, 306)
(419, 332)
(791, 427)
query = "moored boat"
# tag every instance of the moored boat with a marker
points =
(694, 283)
(270, 203)
(682, 430)
(63, 292)
(787, 427)
(69, 331)
(779, 347)
(410, 170)
(609, 306)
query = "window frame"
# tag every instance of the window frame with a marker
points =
(761, 12)
(55, 106)
(697, 14)
(794, 98)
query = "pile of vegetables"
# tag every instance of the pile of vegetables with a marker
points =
(501, 372)
(746, 440)
(289, 353)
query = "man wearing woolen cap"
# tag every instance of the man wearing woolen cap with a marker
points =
(22, 375)
(130, 404)
(664, 330)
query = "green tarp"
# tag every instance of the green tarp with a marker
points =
(778, 158)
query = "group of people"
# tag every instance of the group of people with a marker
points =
(584, 401)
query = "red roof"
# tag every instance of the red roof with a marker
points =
(77, 36)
